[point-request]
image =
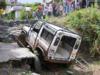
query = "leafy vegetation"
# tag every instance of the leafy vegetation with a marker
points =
(33, 6)
(25, 14)
(1, 11)
(87, 22)
(3, 5)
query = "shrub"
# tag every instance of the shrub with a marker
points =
(1, 11)
(87, 22)
(10, 15)
(23, 14)
(2, 4)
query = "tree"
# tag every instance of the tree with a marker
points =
(2, 5)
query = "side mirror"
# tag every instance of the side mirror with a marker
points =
(56, 41)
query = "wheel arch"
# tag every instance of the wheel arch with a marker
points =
(40, 51)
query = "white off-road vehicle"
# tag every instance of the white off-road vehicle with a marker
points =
(51, 43)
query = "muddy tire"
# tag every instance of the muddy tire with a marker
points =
(37, 64)
(21, 40)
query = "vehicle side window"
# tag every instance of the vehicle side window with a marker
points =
(46, 35)
(37, 26)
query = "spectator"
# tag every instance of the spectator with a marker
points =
(73, 5)
(78, 4)
(65, 6)
(69, 6)
(50, 9)
(83, 3)
(57, 10)
(45, 12)
(54, 9)
(91, 3)
(39, 12)
(40, 8)
(61, 9)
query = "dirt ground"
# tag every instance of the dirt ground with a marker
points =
(6, 69)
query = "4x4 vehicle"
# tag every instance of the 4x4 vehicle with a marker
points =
(54, 44)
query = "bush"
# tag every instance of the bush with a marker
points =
(23, 14)
(1, 11)
(3, 5)
(87, 22)
(10, 15)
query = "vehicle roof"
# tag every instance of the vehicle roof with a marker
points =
(57, 28)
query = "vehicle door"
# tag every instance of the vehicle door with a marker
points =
(33, 33)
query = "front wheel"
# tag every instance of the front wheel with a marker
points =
(37, 64)
(21, 41)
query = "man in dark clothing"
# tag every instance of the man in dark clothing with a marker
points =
(83, 4)
(91, 2)
(54, 9)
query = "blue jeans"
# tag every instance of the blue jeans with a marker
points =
(69, 8)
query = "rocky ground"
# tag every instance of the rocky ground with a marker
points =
(6, 68)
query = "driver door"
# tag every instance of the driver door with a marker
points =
(32, 38)
(33, 33)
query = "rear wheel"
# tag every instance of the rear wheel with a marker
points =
(68, 65)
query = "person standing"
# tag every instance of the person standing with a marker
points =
(54, 9)
(77, 4)
(39, 12)
(69, 6)
(65, 6)
(50, 9)
(83, 4)
(45, 11)
(57, 10)
(61, 9)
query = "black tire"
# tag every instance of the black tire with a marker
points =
(21, 40)
(68, 65)
(37, 64)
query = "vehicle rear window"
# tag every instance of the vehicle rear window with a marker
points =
(69, 40)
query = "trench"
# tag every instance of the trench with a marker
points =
(26, 65)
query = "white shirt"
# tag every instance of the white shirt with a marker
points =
(50, 8)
